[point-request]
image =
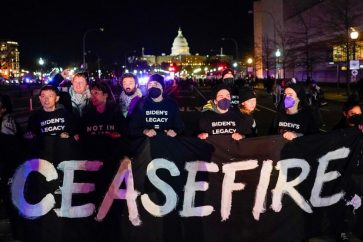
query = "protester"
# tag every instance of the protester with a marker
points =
(221, 120)
(155, 113)
(51, 120)
(247, 98)
(79, 94)
(7, 121)
(101, 116)
(130, 94)
(295, 118)
(228, 80)
(61, 78)
(351, 115)
(10, 133)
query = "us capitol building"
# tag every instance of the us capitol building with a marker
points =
(180, 55)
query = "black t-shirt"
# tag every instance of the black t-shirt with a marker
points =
(159, 116)
(303, 122)
(217, 123)
(51, 123)
(110, 121)
(249, 125)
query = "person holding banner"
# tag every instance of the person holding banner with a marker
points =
(155, 113)
(102, 116)
(352, 115)
(296, 118)
(221, 120)
(247, 99)
(52, 119)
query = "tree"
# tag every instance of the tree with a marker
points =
(341, 16)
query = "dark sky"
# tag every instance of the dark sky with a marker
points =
(54, 29)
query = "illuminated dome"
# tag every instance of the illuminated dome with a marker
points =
(180, 45)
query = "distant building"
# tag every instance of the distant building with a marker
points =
(181, 57)
(311, 35)
(9, 59)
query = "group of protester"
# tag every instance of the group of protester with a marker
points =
(90, 110)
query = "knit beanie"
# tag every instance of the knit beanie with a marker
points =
(157, 78)
(246, 94)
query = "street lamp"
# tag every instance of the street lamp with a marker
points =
(354, 34)
(84, 45)
(277, 54)
(273, 20)
(41, 62)
(235, 45)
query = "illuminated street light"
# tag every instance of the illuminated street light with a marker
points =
(277, 54)
(249, 61)
(235, 64)
(41, 62)
(354, 34)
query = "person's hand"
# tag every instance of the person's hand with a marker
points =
(203, 135)
(149, 132)
(360, 127)
(76, 137)
(237, 136)
(289, 135)
(170, 133)
(64, 135)
(29, 135)
(113, 135)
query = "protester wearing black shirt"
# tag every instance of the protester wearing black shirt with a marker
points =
(51, 120)
(247, 99)
(352, 115)
(222, 120)
(155, 113)
(102, 116)
(296, 119)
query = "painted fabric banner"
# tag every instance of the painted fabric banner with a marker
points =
(185, 189)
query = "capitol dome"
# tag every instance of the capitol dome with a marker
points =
(180, 45)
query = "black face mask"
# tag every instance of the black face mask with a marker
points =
(154, 92)
(356, 119)
(228, 81)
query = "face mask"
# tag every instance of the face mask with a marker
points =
(356, 119)
(224, 103)
(228, 81)
(289, 102)
(154, 92)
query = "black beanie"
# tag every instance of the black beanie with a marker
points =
(246, 94)
(300, 91)
(226, 71)
(218, 88)
(157, 78)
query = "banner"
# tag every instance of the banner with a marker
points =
(185, 189)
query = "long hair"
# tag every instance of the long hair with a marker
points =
(105, 88)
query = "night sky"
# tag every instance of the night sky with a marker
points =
(54, 29)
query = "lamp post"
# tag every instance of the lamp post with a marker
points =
(273, 20)
(277, 54)
(41, 62)
(84, 45)
(354, 34)
(235, 45)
